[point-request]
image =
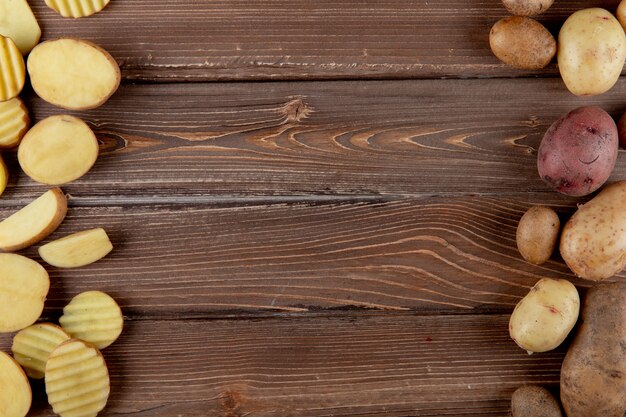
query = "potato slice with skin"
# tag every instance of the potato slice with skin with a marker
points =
(24, 285)
(14, 122)
(94, 317)
(58, 150)
(12, 72)
(34, 222)
(15, 395)
(77, 379)
(18, 23)
(77, 8)
(4, 176)
(32, 347)
(76, 250)
(72, 73)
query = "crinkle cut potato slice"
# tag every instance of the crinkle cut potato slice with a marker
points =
(15, 393)
(77, 8)
(73, 74)
(12, 71)
(78, 249)
(77, 380)
(34, 222)
(14, 122)
(24, 285)
(18, 23)
(32, 347)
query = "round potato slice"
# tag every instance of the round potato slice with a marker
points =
(76, 250)
(15, 394)
(58, 150)
(94, 317)
(77, 379)
(73, 73)
(12, 72)
(32, 346)
(24, 285)
(77, 8)
(14, 122)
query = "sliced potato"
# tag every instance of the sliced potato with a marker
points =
(15, 394)
(18, 23)
(34, 222)
(77, 8)
(73, 73)
(12, 72)
(77, 380)
(32, 346)
(80, 249)
(14, 122)
(4, 176)
(24, 285)
(58, 150)
(94, 317)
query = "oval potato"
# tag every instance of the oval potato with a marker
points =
(527, 7)
(522, 42)
(534, 401)
(537, 234)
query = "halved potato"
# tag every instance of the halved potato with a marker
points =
(24, 285)
(15, 395)
(73, 73)
(32, 346)
(76, 250)
(12, 72)
(18, 23)
(4, 176)
(77, 8)
(58, 150)
(14, 122)
(34, 222)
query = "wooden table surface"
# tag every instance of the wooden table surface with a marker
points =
(313, 205)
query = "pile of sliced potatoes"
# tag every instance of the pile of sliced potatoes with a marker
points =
(73, 74)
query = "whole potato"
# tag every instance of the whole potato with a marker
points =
(593, 375)
(592, 49)
(542, 320)
(534, 401)
(527, 7)
(578, 152)
(522, 42)
(593, 242)
(621, 131)
(537, 234)
(621, 13)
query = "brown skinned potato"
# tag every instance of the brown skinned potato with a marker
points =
(527, 7)
(522, 42)
(537, 234)
(534, 401)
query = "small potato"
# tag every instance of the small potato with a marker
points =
(592, 49)
(522, 42)
(18, 23)
(578, 152)
(527, 7)
(621, 13)
(542, 320)
(537, 234)
(534, 401)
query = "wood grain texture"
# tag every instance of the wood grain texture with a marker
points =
(200, 40)
(365, 365)
(429, 137)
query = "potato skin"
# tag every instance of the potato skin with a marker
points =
(537, 234)
(593, 376)
(522, 42)
(534, 401)
(620, 13)
(527, 7)
(578, 152)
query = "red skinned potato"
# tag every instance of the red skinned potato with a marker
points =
(578, 152)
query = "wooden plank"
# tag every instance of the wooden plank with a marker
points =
(299, 39)
(365, 365)
(430, 137)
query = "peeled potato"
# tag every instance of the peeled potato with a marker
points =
(34, 222)
(15, 393)
(4, 176)
(14, 122)
(73, 73)
(58, 150)
(12, 73)
(18, 23)
(77, 8)
(80, 249)
(32, 347)
(94, 317)
(77, 380)
(24, 285)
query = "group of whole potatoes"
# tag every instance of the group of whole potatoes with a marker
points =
(576, 157)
